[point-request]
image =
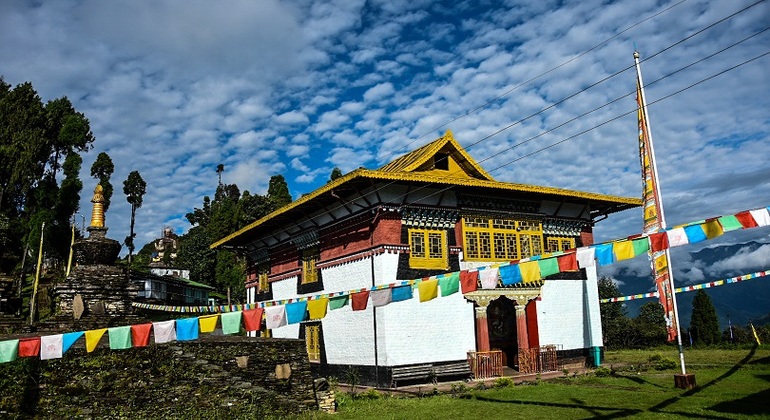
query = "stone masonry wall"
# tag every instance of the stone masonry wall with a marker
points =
(220, 376)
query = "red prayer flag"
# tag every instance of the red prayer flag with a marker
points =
(360, 300)
(469, 281)
(252, 319)
(567, 262)
(658, 241)
(746, 219)
(140, 334)
(29, 347)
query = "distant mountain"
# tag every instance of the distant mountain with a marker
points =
(739, 302)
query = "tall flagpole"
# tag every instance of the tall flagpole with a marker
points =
(659, 207)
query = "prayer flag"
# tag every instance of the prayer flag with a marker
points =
(488, 277)
(469, 281)
(548, 266)
(761, 217)
(381, 297)
(51, 346)
(9, 350)
(658, 241)
(187, 329)
(695, 234)
(120, 337)
(729, 223)
(586, 256)
(641, 246)
(231, 322)
(401, 293)
(275, 316)
(604, 255)
(29, 347)
(296, 311)
(530, 271)
(140, 334)
(208, 323)
(756, 337)
(428, 290)
(677, 237)
(510, 274)
(567, 262)
(252, 319)
(712, 229)
(624, 250)
(746, 219)
(69, 339)
(360, 300)
(338, 302)
(449, 284)
(316, 308)
(164, 331)
(93, 337)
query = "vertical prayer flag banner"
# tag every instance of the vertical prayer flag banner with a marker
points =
(469, 281)
(208, 323)
(69, 339)
(338, 302)
(9, 350)
(164, 331)
(93, 337)
(252, 319)
(29, 347)
(510, 274)
(120, 337)
(360, 300)
(140, 334)
(275, 316)
(231, 322)
(401, 293)
(295, 312)
(488, 277)
(187, 329)
(51, 346)
(381, 297)
(428, 290)
(316, 308)
(449, 284)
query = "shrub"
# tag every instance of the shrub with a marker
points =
(602, 372)
(502, 382)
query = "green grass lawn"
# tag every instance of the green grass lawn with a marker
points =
(732, 383)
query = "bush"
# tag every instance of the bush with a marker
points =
(602, 372)
(502, 382)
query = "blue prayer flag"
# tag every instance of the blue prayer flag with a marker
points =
(187, 329)
(510, 274)
(296, 312)
(604, 255)
(401, 293)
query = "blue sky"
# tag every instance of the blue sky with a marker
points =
(172, 89)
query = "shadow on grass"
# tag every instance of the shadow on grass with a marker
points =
(612, 412)
(638, 380)
(756, 403)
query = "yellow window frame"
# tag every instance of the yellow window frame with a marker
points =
(501, 239)
(428, 249)
(313, 342)
(559, 243)
(309, 268)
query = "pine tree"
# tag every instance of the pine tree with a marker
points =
(704, 324)
(616, 327)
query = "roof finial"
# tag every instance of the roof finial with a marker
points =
(97, 214)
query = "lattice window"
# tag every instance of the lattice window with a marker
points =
(309, 261)
(559, 243)
(428, 249)
(501, 239)
(313, 342)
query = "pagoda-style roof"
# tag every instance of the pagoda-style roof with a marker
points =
(442, 162)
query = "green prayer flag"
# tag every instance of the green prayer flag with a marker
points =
(548, 266)
(449, 284)
(730, 223)
(120, 337)
(9, 350)
(641, 246)
(231, 322)
(338, 302)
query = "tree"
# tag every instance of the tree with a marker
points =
(220, 169)
(278, 191)
(102, 170)
(336, 173)
(616, 327)
(651, 324)
(704, 324)
(134, 188)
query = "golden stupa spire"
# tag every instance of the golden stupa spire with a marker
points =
(97, 214)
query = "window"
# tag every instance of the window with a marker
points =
(559, 243)
(309, 261)
(500, 239)
(313, 342)
(441, 161)
(428, 249)
(263, 271)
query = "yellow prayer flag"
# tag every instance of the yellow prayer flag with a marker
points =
(428, 290)
(316, 308)
(92, 338)
(207, 323)
(756, 337)
(624, 250)
(712, 229)
(530, 271)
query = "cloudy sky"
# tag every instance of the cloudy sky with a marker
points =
(172, 89)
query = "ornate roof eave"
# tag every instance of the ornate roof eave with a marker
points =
(613, 203)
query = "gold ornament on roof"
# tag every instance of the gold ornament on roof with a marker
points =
(97, 214)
